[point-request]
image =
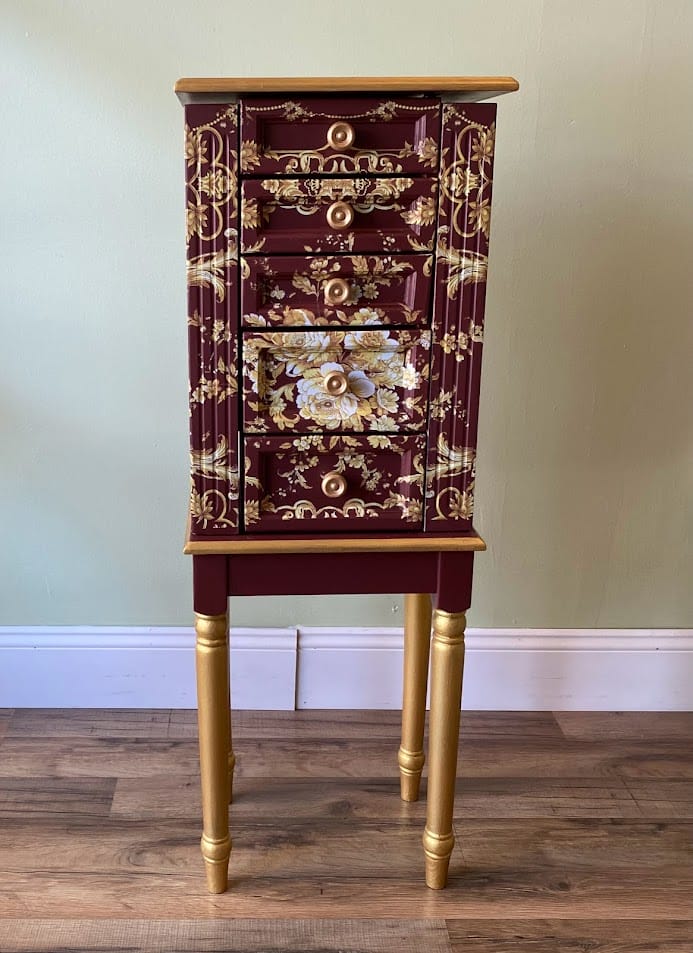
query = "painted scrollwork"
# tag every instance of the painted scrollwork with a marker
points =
(211, 158)
(467, 148)
(418, 155)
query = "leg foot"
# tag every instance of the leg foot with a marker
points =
(211, 655)
(417, 639)
(447, 660)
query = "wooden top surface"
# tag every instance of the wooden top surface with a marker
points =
(466, 86)
(249, 545)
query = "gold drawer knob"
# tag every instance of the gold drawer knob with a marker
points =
(340, 135)
(337, 291)
(335, 383)
(340, 215)
(333, 485)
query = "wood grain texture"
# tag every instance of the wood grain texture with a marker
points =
(56, 797)
(346, 84)
(571, 936)
(231, 936)
(5, 717)
(564, 844)
(626, 726)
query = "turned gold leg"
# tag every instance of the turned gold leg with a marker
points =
(447, 662)
(213, 719)
(417, 645)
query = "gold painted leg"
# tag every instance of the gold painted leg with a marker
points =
(447, 662)
(213, 719)
(417, 645)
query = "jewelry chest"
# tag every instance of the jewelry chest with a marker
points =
(337, 248)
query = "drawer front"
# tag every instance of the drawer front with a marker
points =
(338, 215)
(360, 380)
(283, 136)
(336, 290)
(311, 483)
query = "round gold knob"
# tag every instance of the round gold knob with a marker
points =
(337, 291)
(333, 485)
(335, 383)
(340, 135)
(340, 215)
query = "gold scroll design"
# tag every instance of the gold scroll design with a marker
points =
(410, 506)
(465, 177)
(368, 274)
(305, 161)
(212, 183)
(214, 506)
(451, 502)
(465, 182)
(308, 196)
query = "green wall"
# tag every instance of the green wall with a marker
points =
(585, 471)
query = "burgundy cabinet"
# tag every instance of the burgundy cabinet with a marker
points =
(337, 259)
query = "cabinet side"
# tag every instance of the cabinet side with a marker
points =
(211, 177)
(466, 170)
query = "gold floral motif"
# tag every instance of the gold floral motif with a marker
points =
(218, 385)
(211, 270)
(286, 377)
(211, 177)
(250, 155)
(466, 174)
(464, 266)
(450, 501)
(422, 212)
(213, 463)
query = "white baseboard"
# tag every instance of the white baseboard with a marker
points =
(283, 668)
(138, 667)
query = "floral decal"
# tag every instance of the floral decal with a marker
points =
(379, 377)
(460, 276)
(212, 254)
(383, 480)
(284, 136)
(382, 289)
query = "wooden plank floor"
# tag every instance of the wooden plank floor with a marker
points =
(575, 833)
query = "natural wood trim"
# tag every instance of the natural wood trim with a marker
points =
(334, 544)
(347, 84)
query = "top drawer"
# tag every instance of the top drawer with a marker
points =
(283, 136)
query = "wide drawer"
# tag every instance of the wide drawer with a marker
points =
(337, 290)
(360, 380)
(340, 483)
(344, 215)
(328, 135)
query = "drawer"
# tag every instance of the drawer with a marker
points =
(328, 135)
(359, 380)
(338, 215)
(338, 290)
(352, 483)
